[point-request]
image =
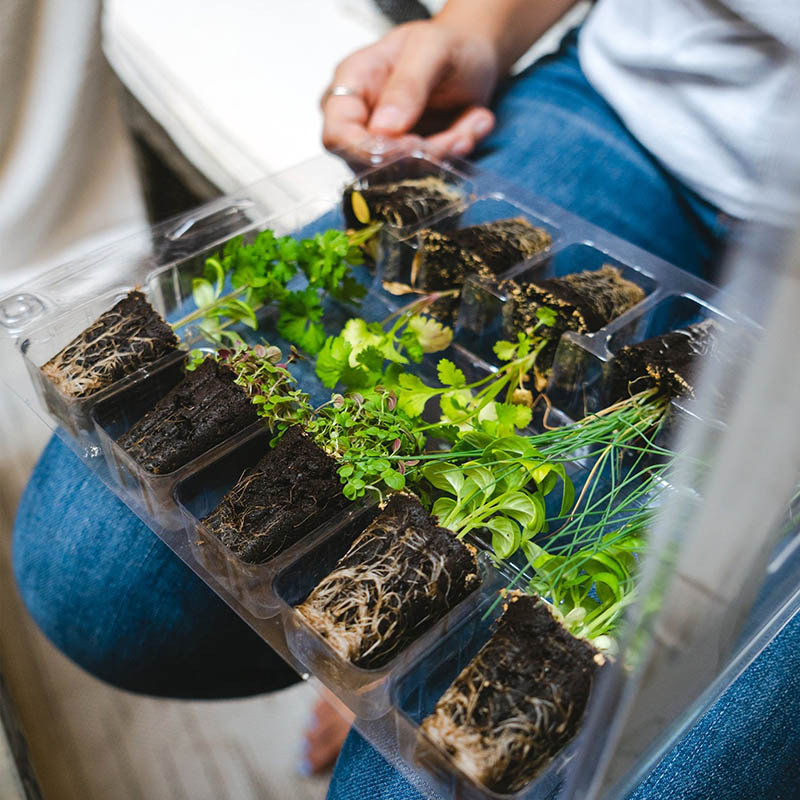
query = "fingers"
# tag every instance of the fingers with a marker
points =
(346, 116)
(324, 738)
(459, 140)
(419, 67)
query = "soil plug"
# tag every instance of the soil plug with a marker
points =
(290, 491)
(519, 701)
(204, 409)
(666, 363)
(400, 576)
(125, 338)
(545, 309)
(399, 203)
(396, 204)
(445, 260)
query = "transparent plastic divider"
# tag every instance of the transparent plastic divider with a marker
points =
(251, 584)
(400, 253)
(578, 384)
(364, 691)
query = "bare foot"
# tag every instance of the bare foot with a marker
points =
(325, 735)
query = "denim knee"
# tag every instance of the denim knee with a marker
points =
(111, 595)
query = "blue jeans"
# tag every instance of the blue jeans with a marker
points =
(109, 594)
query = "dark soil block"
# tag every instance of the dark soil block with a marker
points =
(126, 337)
(583, 302)
(400, 576)
(519, 701)
(399, 203)
(204, 409)
(667, 362)
(289, 492)
(446, 260)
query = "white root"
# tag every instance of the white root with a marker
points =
(69, 371)
(357, 608)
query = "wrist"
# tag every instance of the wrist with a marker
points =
(483, 39)
(506, 27)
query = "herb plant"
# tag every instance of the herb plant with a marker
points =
(503, 491)
(362, 431)
(356, 358)
(244, 277)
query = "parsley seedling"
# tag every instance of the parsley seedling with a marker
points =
(245, 277)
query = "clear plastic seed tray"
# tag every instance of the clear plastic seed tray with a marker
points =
(39, 319)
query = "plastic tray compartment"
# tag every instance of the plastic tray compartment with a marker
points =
(63, 303)
(44, 341)
(396, 269)
(480, 318)
(115, 415)
(364, 691)
(392, 253)
(182, 248)
(251, 584)
(416, 692)
(578, 382)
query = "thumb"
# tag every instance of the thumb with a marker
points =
(405, 95)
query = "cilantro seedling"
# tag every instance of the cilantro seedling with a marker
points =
(356, 358)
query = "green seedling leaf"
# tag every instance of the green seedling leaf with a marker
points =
(432, 336)
(505, 536)
(449, 374)
(202, 292)
(332, 359)
(505, 351)
(442, 475)
(413, 394)
(394, 480)
(607, 586)
(214, 272)
(443, 507)
(522, 508)
(480, 476)
(546, 316)
(196, 357)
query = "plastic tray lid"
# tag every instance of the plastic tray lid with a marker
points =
(709, 558)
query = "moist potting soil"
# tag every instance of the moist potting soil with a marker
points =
(583, 302)
(288, 493)
(126, 337)
(667, 362)
(204, 409)
(519, 701)
(445, 260)
(399, 203)
(400, 576)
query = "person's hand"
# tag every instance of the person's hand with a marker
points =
(423, 74)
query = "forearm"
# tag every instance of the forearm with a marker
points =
(511, 26)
